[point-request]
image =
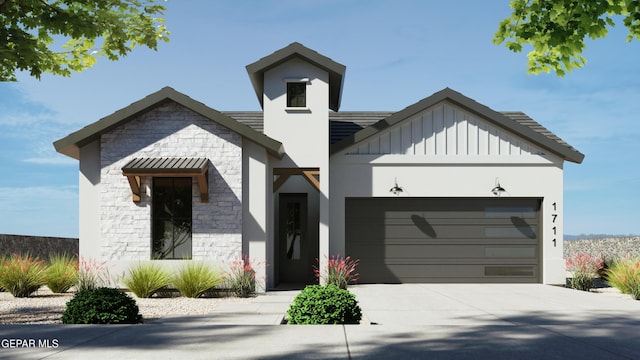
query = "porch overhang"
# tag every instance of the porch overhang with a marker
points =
(167, 167)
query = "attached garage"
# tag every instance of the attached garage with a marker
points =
(453, 240)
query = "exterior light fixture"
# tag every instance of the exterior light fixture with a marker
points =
(498, 189)
(396, 189)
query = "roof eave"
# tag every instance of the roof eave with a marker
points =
(70, 145)
(336, 70)
(455, 97)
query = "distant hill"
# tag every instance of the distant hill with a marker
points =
(597, 236)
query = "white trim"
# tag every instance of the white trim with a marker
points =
(462, 160)
(296, 80)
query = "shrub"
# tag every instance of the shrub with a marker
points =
(242, 277)
(145, 279)
(339, 271)
(195, 278)
(624, 275)
(92, 274)
(329, 304)
(22, 275)
(61, 274)
(101, 306)
(584, 268)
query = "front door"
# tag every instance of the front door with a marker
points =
(294, 255)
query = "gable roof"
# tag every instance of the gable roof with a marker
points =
(70, 145)
(516, 122)
(336, 71)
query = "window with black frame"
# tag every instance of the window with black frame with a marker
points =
(296, 94)
(172, 218)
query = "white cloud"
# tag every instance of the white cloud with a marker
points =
(52, 160)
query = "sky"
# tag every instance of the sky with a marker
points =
(396, 53)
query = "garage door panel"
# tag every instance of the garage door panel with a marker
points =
(455, 231)
(458, 252)
(444, 240)
(456, 273)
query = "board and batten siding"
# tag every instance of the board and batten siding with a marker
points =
(446, 130)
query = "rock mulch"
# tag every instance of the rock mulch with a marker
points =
(44, 307)
(610, 249)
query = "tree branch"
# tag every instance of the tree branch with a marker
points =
(4, 4)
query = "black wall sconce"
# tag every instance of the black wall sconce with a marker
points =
(498, 189)
(396, 189)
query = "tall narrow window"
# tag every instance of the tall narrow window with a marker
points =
(172, 218)
(296, 94)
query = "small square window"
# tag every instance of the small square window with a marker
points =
(296, 94)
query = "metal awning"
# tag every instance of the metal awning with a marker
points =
(168, 167)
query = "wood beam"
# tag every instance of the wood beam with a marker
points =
(284, 173)
(203, 184)
(280, 181)
(309, 175)
(134, 183)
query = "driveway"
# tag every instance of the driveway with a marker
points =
(410, 321)
(497, 321)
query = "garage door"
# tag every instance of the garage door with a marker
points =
(404, 240)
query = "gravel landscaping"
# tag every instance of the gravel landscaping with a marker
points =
(45, 307)
(610, 248)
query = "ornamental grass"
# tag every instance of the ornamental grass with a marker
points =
(61, 273)
(146, 279)
(624, 274)
(196, 278)
(22, 275)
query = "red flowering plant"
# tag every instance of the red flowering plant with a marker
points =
(92, 274)
(340, 271)
(242, 276)
(584, 268)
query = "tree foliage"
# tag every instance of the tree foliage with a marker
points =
(32, 32)
(557, 29)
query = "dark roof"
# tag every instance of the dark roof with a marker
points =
(70, 145)
(166, 165)
(336, 71)
(341, 124)
(516, 122)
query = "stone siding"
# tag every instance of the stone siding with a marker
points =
(40, 246)
(610, 249)
(171, 130)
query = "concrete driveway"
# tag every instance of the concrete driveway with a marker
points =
(413, 321)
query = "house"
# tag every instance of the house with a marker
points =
(445, 190)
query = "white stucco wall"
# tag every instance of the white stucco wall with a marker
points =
(304, 133)
(257, 233)
(89, 201)
(170, 130)
(455, 154)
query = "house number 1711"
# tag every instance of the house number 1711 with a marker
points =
(554, 217)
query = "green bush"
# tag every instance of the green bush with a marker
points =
(145, 279)
(324, 305)
(195, 278)
(101, 306)
(22, 275)
(61, 274)
(624, 275)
